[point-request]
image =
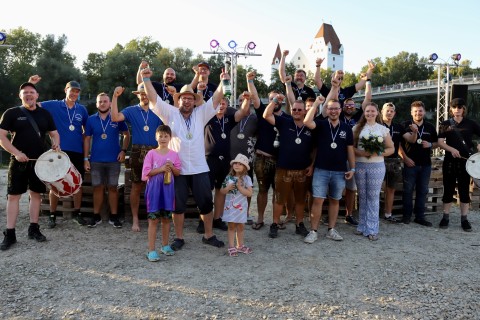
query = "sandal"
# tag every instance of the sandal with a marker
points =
(244, 249)
(282, 225)
(153, 256)
(167, 250)
(258, 225)
(232, 252)
(372, 237)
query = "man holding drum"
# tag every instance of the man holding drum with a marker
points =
(27, 144)
(455, 137)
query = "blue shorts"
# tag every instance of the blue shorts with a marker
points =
(105, 173)
(328, 182)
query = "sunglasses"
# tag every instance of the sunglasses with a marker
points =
(350, 105)
(297, 110)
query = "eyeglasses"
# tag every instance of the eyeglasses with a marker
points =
(333, 109)
(297, 110)
(457, 107)
(187, 98)
(350, 105)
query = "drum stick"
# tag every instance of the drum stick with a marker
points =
(49, 160)
(473, 161)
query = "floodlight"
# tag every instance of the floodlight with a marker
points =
(433, 57)
(232, 44)
(3, 37)
(456, 57)
(251, 45)
(214, 43)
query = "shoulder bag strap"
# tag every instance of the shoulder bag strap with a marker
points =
(32, 121)
(457, 133)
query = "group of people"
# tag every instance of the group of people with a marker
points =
(186, 138)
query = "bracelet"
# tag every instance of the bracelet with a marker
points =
(288, 83)
(369, 80)
(250, 80)
(352, 169)
(124, 150)
(317, 65)
(85, 159)
(145, 79)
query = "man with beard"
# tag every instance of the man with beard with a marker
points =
(26, 144)
(101, 135)
(187, 123)
(143, 124)
(70, 118)
(300, 90)
(165, 90)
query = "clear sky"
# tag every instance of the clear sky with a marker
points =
(367, 29)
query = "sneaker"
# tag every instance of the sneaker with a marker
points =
(115, 222)
(466, 226)
(52, 222)
(9, 239)
(334, 235)
(249, 221)
(219, 224)
(300, 229)
(273, 230)
(351, 220)
(177, 244)
(406, 220)
(34, 233)
(153, 256)
(213, 241)
(79, 219)
(93, 222)
(201, 227)
(444, 223)
(423, 222)
(391, 219)
(167, 250)
(311, 237)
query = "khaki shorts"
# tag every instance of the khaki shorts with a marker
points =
(393, 172)
(265, 172)
(287, 181)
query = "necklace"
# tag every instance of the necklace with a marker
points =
(333, 145)
(419, 140)
(145, 128)
(165, 92)
(104, 135)
(71, 127)
(222, 127)
(243, 123)
(298, 140)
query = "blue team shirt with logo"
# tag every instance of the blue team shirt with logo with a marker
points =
(104, 150)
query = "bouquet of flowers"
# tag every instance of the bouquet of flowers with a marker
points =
(372, 144)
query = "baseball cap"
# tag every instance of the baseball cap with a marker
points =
(204, 64)
(73, 84)
(457, 102)
(27, 84)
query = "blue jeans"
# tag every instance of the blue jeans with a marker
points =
(416, 178)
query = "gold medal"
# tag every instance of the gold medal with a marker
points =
(104, 136)
(189, 136)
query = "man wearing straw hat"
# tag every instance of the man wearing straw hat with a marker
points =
(187, 123)
(27, 144)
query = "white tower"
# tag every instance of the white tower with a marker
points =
(327, 46)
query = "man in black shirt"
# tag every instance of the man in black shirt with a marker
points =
(300, 90)
(27, 144)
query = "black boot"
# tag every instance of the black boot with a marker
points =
(9, 239)
(34, 232)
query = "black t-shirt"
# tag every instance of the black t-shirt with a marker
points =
(305, 92)
(353, 120)
(344, 93)
(293, 155)
(415, 151)
(24, 137)
(266, 132)
(459, 135)
(215, 144)
(396, 132)
(328, 158)
(162, 91)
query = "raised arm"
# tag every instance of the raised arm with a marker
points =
(244, 109)
(196, 77)
(368, 92)
(218, 94)
(333, 94)
(281, 67)
(360, 84)
(318, 73)
(309, 118)
(289, 90)
(116, 116)
(252, 89)
(268, 113)
(149, 89)
(143, 65)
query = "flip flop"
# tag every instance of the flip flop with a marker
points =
(258, 225)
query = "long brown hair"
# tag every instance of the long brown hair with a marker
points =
(361, 123)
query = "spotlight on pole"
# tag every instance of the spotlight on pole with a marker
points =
(251, 45)
(432, 57)
(3, 37)
(214, 43)
(456, 57)
(232, 44)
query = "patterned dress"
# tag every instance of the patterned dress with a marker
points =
(236, 204)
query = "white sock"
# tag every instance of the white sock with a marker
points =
(388, 215)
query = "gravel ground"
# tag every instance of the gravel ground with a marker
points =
(412, 272)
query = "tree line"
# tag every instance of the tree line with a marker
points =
(46, 55)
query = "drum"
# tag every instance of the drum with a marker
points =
(58, 173)
(473, 168)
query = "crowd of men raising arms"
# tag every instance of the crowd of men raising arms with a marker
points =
(315, 148)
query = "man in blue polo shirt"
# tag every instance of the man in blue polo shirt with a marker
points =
(70, 118)
(143, 124)
(335, 138)
(101, 135)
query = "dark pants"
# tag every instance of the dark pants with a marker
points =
(417, 178)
